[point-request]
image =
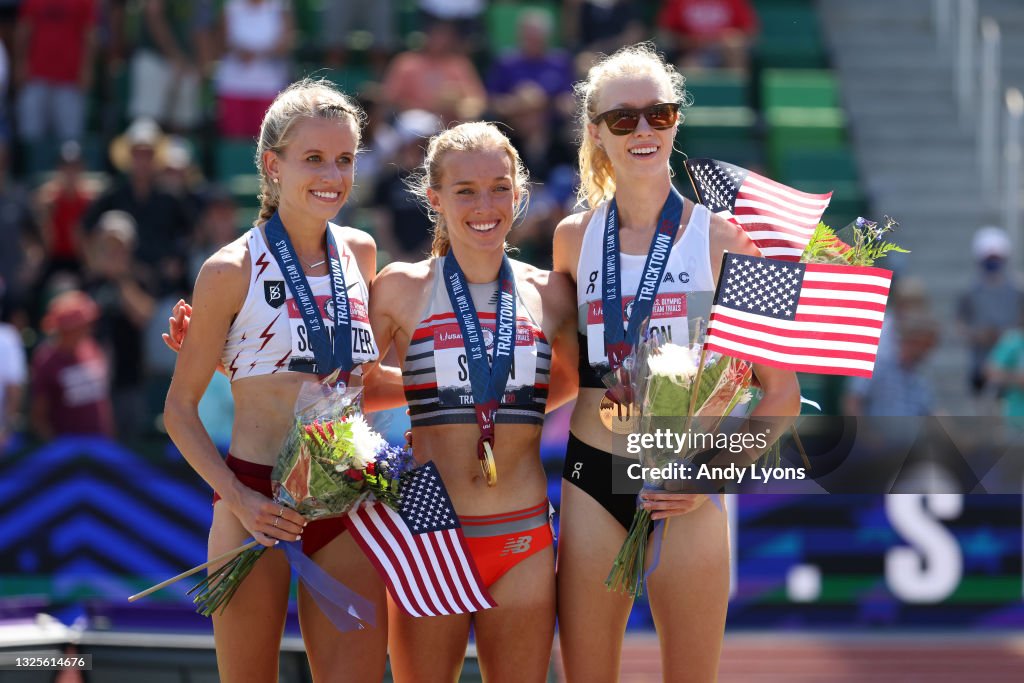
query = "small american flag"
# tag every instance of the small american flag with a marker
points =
(419, 550)
(808, 317)
(777, 218)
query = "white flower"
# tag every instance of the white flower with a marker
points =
(673, 362)
(366, 443)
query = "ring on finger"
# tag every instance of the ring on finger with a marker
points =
(280, 512)
(276, 520)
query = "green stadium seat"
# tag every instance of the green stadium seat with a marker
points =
(793, 128)
(790, 36)
(502, 20)
(818, 164)
(718, 89)
(234, 157)
(719, 123)
(798, 88)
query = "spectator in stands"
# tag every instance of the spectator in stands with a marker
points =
(544, 146)
(439, 78)
(167, 67)
(464, 15)
(21, 255)
(163, 220)
(709, 34)
(533, 62)
(994, 302)
(54, 45)
(218, 225)
(5, 82)
(125, 305)
(1005, 370)
(376, 18)
(595, 26)
(898, 386)
(12, 378)
(403, 227)
(181, 178)
(60, 204)
(254, 40)
(70, 381)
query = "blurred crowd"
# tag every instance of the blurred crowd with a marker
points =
(117, 116)
(119, 113)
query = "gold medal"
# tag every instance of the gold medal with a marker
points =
(490, 469)
(619, 418)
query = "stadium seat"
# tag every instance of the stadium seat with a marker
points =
(718, 89)
(502, 20)
(790, 35)
(798, 88)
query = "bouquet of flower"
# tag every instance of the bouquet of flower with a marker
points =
(860, 243)
(330, 462)
(687, 391)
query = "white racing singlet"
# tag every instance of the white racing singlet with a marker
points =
(269, 336)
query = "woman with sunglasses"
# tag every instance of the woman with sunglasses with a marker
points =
(640, 229)
(478, 415)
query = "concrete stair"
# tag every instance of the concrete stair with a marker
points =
(917, 160)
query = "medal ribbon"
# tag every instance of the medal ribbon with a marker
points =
(488, 379)
(618, 342)
(328, 358)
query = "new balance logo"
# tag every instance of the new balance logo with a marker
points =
(516, 545)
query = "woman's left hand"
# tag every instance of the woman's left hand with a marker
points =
(665, 505)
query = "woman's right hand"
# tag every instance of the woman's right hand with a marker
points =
(267, 521)
(177, 328)
(177, 325)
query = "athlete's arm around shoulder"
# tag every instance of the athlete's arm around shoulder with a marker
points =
(218, 296)
(568, 242)
(557, 293)
(396, 296)
(364, 249)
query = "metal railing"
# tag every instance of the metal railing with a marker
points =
(995, 116)
(1012, 163)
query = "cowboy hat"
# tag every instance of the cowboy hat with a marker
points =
(143, 132)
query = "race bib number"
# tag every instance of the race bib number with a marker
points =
(364, 348)
(452, 366)
(668, 317)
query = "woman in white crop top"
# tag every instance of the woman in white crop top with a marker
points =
(629, 118)
(243, 317)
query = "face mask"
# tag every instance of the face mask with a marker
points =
(992, 264)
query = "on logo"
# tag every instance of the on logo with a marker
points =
(488, 338)
(273, 292)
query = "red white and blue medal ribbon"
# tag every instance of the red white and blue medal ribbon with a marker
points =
(329, 357)
(487, 379)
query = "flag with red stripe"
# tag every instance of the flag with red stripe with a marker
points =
(419, 549)
(808, 317)
(777, 218)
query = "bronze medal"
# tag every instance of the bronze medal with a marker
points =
(619, 418)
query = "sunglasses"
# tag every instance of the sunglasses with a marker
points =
(624, 121)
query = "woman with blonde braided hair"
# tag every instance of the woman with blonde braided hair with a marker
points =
(248, 317)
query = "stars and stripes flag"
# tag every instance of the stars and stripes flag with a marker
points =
(419, 550)
(808, 317)
(777, 218)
